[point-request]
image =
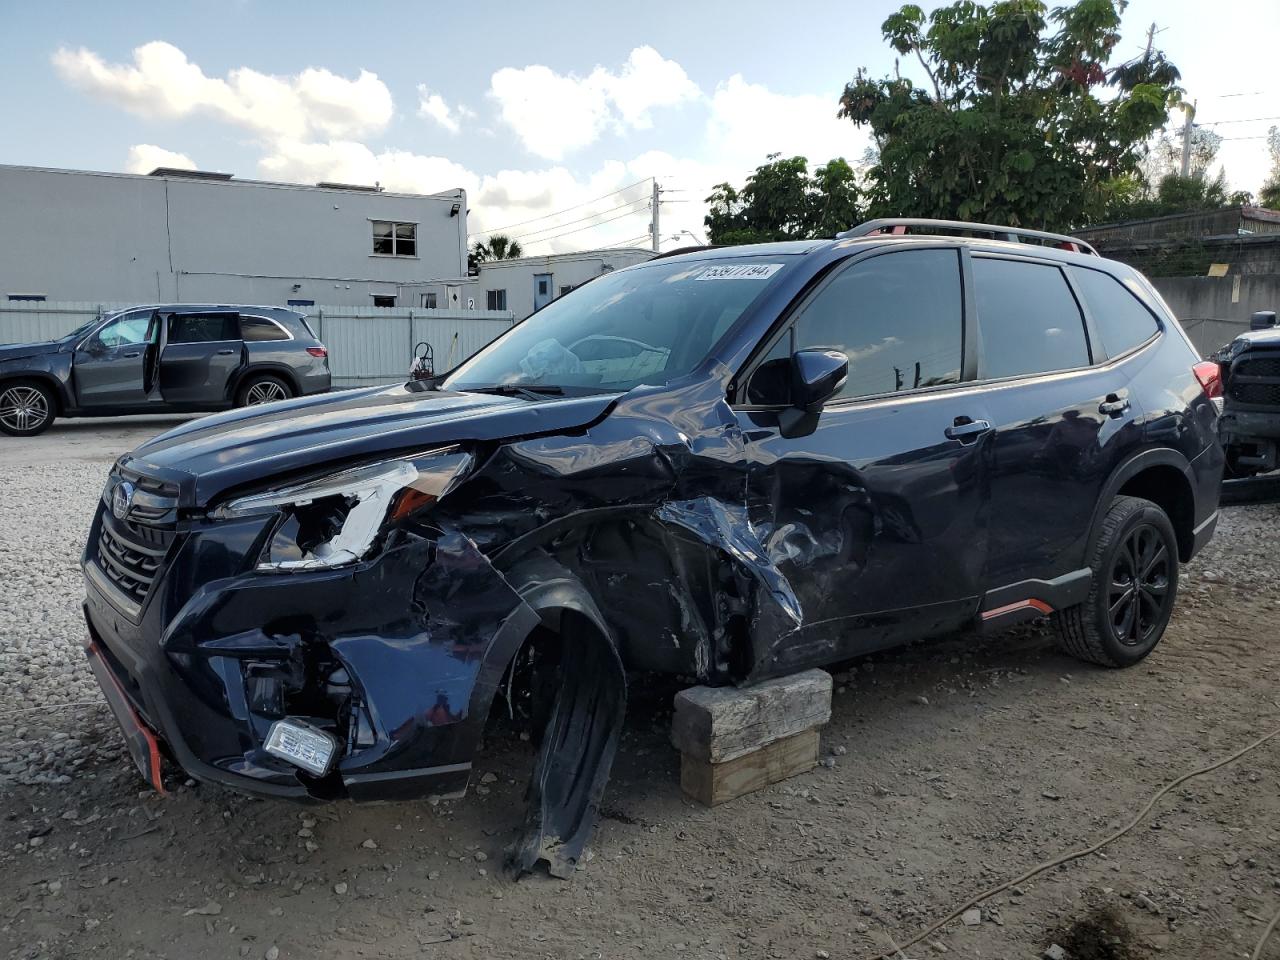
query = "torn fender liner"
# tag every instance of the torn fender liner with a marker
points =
(578, 745)
(726, 527)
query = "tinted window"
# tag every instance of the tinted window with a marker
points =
(1121, 320)
(897, 317)
(202, 327)
(256, 329)
(1029, 320)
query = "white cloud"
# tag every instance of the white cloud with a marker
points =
(145, 157)
(749, 121)
(554, 114)
(347, 161)
(433, 107)
(161, 82)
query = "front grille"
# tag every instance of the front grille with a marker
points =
(1254, 379)
(1248, 366)
(1257, 394)
(130, 555)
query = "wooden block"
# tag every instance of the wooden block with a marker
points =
(717, 724)
(715, 783)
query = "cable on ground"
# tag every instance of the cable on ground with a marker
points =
(1077, 854)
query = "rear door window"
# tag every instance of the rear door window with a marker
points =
(1120, 319)
(1029, 320)
(203, 327)
(898, 318)
(258, 329)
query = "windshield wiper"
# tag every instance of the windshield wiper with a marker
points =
(533, 391)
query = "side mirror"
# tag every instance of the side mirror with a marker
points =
(1262, 320)
(816, 377)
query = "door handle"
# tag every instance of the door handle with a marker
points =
(966, 430)
(1115, 404)
(130, 356)
(226, 353)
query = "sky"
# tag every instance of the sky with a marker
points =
(553, 116)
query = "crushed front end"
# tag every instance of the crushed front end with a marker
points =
(218, 627)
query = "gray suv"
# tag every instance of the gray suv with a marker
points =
(161, 359)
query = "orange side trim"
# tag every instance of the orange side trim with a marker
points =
(140, 728)
(1033, 604)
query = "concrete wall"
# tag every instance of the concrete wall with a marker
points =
(1214, 310)
(72, 235)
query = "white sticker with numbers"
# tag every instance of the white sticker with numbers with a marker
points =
(740, 271)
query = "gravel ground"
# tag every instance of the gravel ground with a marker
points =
(948, 766)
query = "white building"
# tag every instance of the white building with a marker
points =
(181, 235)
(525, 284)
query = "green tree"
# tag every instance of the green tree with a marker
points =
(782, 201)
(1269, 196)
(1022, 119)
(499, 247)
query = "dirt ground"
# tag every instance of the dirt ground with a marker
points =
(951, 766)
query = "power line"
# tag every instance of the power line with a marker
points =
(1216, 123)
(587, 227)
(545, 216)
(591, 216)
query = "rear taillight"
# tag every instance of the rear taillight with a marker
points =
(317, 351)
(1210, 376)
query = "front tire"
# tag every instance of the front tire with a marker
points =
(27, 408)
(1134, 587)
(261, 389)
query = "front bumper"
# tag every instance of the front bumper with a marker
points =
(422, 635)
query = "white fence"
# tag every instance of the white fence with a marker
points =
(367, 345)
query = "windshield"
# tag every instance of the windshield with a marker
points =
(86, 326)
(650, 324)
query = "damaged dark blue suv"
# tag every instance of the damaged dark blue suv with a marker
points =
(729, 464)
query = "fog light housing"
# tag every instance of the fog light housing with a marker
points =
(302, 745)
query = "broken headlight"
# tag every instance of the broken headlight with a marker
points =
(337, 520)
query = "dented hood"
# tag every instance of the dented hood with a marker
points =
(253, 445)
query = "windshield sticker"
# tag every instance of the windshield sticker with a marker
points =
(741, 271)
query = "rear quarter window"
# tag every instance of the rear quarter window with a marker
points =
(1029, 319)
(257, 329)
(1119, 317)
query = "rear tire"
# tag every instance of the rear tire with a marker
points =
(1133, 590)
(27, 408)
(260, 388)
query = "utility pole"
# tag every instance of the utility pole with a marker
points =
(655, 202)
(1190, 110)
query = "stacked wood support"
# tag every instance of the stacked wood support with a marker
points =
(733, 741)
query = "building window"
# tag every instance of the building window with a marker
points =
(429, 300)
(496, 299)
(26, 298)
(302, 303)
(542, 288)
(380, 301)
(391, 239)
(565, 289)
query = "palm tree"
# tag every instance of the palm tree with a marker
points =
(499, 247)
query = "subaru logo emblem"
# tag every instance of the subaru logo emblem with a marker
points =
(122, 499)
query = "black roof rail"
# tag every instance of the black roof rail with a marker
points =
(679, 250)
(899, 225)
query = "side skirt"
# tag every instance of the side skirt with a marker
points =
(1029, 599)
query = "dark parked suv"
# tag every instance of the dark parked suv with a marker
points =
(1250, 425)
(729, 464)
(160, 359)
